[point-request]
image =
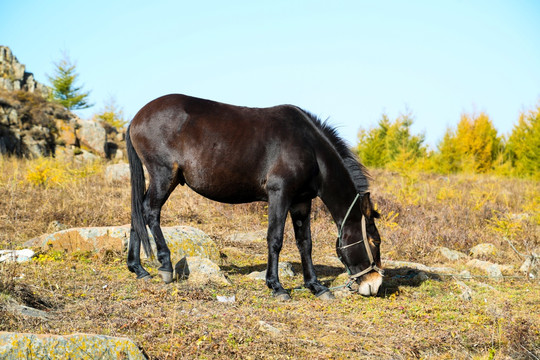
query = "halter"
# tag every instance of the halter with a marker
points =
(365, 240)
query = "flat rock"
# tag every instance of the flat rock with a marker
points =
(418, 266)
(75, 346)
(284, 270)
(491, 269)
(484, 249)
(181, 240)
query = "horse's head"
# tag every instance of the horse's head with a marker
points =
(359, 247)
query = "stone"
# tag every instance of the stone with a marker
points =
(23, 310)
(117, 173)
(483, 250)
(530, 266)
(92, 135)
(284, 270)
(466, 293)
(18, 256)
(452, 255)
(491, 269)
(181, 240)
(75, 346)
(268, 328)
(418, 266)
(200, 271)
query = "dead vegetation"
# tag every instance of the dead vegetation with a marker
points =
(411, 318)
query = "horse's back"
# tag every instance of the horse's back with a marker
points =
(225, 152)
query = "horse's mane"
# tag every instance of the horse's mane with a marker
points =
(358, 172)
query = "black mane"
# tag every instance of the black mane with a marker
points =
(356, 170)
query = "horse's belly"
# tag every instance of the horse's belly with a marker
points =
(225, 187)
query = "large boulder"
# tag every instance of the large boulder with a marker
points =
(76, 346)
(181, 240)
(92, 135)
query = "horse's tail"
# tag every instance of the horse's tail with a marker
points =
(138, 187)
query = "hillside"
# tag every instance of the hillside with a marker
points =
(417, 314)
(32, 126)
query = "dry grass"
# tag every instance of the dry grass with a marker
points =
(95, 293)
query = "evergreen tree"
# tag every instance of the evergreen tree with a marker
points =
(65, 91)
(390, 142)
(523, 146)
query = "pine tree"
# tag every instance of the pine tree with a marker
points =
(65, 91)
(523, 146)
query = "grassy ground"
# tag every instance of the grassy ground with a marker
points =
(411, 318)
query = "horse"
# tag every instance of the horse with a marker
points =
(282, 155)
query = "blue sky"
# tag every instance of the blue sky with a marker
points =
(347, 60)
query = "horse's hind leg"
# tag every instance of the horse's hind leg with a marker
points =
(161, 185)
(300, 214)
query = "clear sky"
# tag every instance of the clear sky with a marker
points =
(347, 60)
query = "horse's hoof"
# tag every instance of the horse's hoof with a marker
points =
(283, 297)
(327, 296)
(166, 276)
(145, 277)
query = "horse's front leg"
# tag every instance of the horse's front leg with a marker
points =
(300, 215)
(277, 214)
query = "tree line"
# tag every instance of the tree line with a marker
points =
(473, 146)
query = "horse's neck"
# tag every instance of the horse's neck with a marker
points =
(338, 190)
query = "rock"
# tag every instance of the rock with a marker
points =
(117, 173)
(181, 240)
(284, 270)
(466, 291)
(491, 269)
(200, 271)
(226, 299)
(417, 266)
(465, 274)
(530, 266)
(23, 310)
(267, 328)
(248, 237)
(19, 256)
(83, 156)
(482, 250)
(92, 135)
(451, 255)
(340, 290)
(76, 346)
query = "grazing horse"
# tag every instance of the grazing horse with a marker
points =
(282, 155)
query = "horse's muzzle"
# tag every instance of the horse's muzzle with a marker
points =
(369, 284)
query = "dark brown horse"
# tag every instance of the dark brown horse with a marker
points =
(282, 155)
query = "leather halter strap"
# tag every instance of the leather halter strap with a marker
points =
(373, 265)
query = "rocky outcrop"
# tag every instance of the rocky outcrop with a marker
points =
(31, 126)
(14, 77)
(76, 346)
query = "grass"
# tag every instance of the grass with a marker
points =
(94, 292)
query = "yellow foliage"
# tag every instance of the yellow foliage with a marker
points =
(50, 172)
